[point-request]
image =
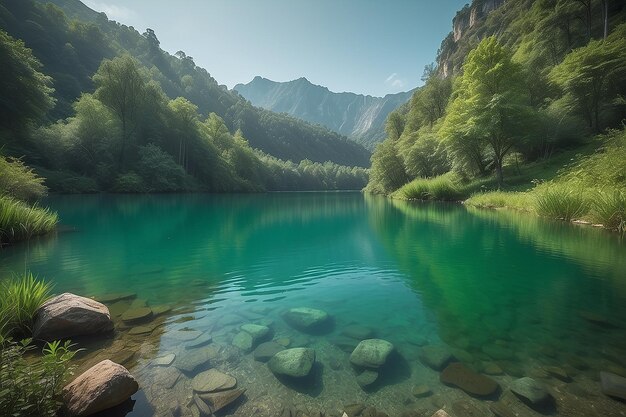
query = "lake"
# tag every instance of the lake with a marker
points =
(508, 295)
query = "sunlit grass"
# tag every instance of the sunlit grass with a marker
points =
(443, 187)
(20, 221)
(609, 209)
(21, 298)
(561, 201)
(502, 199)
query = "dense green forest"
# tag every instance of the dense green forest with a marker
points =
(95, 105)
(537, 79)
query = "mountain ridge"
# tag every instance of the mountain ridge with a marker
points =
(358, 116)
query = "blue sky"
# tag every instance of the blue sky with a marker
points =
(363, 46)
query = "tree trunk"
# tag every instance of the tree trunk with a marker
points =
(605, 12)
(499, 174)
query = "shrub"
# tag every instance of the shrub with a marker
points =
(19, 181)
(561, 201)
(21, 298)
(129, 183)
(437, 188)
(32, 388)
(609, 209)
(19, 221)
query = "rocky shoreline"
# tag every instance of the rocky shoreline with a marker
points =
(194, 371)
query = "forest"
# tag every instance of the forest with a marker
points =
(96, 106)
(534, 103)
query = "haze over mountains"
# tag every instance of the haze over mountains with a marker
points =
(360, 117)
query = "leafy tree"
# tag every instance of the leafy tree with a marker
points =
(185, 124)
(592, 76)
(121, 86)
(25, 92)
(387, 173)
(490, 104)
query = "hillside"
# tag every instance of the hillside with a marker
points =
(72, 50)
(357, 116)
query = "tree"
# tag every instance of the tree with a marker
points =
(490, 106)
(586, 74)
(185, 125)
(25, 92)
(121, 86)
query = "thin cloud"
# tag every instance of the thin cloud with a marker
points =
(113, 12)
(394, 81)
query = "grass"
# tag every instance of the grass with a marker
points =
(21, 221)
(443, 187)
(590, 187)
(21, 298)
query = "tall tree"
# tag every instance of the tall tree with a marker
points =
(25, 92)
(121, 85)
(490, 105)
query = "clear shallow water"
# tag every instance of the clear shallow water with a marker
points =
(493, 287)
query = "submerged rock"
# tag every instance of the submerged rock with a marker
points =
(613, 385)
(358, 332)
(469, 381)
(137, 314)
(69, 315)
(295, 362)
(265, 351)
(371, 353)
(183, 335)
(101, 387)
(201, 340)
(440, 413)
(244, 341)
(437, 357)
(421, 391)
(530, 390)
(212, 380)
(304, 318)
(114, 297)
(218, 400)
(193, 360)
(257, 332)
(165, 360)
(367, 377)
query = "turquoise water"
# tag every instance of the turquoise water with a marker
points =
(497, 289)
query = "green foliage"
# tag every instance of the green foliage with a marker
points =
(560, 201)
(129, 182)
(33, 387)
(159, 171)
(25, 90)
(19, 221)
(502, 199)
(21, 298)
(387, 173)
(608, 208)
(443, 188)
(489, 112)
(20, 181)
(592, 78)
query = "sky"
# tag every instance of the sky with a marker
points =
(373, 47)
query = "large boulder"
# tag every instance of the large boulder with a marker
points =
(613, 385)
(296, 362)
(68, 315)
(304, 318)
(101, 387)
(371, 353)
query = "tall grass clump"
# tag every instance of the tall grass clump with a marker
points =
(20, 298)
(20, 181)
(502, 199)
(20, 221)
(561, 201)
(609, 209)
(442, 187)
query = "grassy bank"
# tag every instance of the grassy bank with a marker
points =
(588, 184)
(21, 221)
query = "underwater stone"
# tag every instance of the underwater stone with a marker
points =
(358, 332)
(492, 368)
(265, 351)
(469, 381)
(529, 389)
(165, 360)
(114, 297)
(296, 362)
(243, 340)
(613, 385)
(371, 353)
(212, 380)
(192, 360)
(305, 318)
(440, 413)
(367, 377)
(137, 314)
(257, 332)
(437, 357)
(421, 391)
(183, 335)
(218, 400)
(203, 339)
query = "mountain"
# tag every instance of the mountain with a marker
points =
(357, 116)
(71, 51)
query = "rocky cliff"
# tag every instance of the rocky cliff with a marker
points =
(361, 118)
(464, 24)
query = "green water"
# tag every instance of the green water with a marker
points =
(493, 287)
